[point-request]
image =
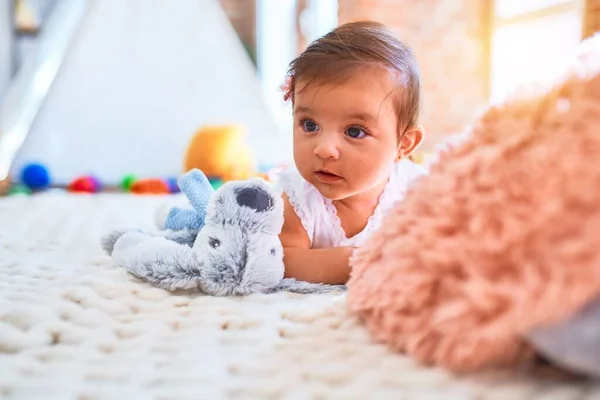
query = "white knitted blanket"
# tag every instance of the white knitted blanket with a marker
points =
(72, 326)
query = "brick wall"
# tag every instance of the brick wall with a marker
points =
(242, 14)
(450, 39)
(591, 20)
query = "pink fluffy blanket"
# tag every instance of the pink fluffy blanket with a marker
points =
(502, 236)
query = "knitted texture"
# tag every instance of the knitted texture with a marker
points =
(75, 326)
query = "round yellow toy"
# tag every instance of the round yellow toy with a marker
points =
(220, 152)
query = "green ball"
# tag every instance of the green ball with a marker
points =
(19, 190)
(216, 183)
(127, 182)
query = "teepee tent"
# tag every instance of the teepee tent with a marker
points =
(138, 79)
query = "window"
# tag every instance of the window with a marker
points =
(531, 41)
(278, 44)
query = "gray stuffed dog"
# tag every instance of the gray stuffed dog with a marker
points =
(232, 247)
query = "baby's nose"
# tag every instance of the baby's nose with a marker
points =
(327, 149)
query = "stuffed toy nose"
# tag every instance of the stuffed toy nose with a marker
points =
(256, 198)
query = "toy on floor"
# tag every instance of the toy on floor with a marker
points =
(494, 257)
(85, 184)
(173, 185)
(5, 186)
(127, 182)
(150, 186)
(221, 152)
(147, 186)
(9, 188)
(230, 245)
(19, 190)
(35, 176)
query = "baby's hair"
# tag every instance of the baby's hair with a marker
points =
(339, 54)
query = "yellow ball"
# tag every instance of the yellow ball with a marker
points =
(220, 151)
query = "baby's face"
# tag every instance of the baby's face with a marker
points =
(345, 135)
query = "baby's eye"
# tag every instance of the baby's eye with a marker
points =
(355, 132)
(309, 126)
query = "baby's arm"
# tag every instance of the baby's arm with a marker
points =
(328, 266)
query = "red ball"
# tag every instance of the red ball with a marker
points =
(83, 184)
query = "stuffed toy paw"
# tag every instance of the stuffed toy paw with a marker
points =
(160, 261)
(184, 237)
(235, 252)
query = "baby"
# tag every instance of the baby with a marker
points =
(355, 95)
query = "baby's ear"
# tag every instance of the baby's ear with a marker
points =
(195, 185)
(410, 141)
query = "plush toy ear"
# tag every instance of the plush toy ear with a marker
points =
(255, 198)
(195, 185)
(249, 203)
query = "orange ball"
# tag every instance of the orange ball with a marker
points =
(220, 151)
(5, 185)
(150, 186)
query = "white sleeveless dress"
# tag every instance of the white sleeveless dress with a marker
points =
(319, 215)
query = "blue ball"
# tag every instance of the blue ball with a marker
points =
(35, 177)
(97, 183)
(173, 185)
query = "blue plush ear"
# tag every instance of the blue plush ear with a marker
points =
(195, 185)
(198, 190)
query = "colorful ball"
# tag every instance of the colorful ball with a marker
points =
(216, 183)
(173, 185)
(97, 183)
(35, 176)
(127, 182)
(150, 186)
(19, 190)
(220, 150)
(5, 186)
(84, 184)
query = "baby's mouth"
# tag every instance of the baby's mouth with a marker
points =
(326, 176)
